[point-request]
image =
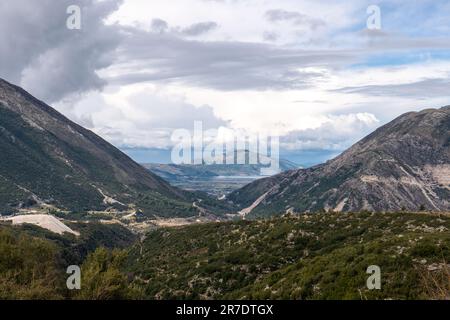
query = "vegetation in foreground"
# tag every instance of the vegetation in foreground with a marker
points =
(33, 262)
(317, 256)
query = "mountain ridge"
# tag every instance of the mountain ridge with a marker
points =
(404, 164)
(47, 158)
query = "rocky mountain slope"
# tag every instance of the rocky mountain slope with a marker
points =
(48, 160)
(402, 165)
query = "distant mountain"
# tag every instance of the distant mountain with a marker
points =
(48, 160)
(402, 165)
(217, 179)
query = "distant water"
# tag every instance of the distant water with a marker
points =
(237, 177)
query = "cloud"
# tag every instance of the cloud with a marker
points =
(200, 28)
(217, 64)
(38, 52)
(337, 132)
(52, 62)
(296, 18)
(428, 88)
(169, 57)
(270, 36)
(141, 117)
(159, 25)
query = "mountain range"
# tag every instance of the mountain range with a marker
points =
(48, 161)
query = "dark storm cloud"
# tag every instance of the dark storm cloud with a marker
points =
(38, 52)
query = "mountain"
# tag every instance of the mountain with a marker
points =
(48, 160)
(216, 179)
(404, 165)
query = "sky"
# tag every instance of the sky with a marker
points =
(313, 72)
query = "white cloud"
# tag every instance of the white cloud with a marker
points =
(335, 133)
(139, 115)
(243, 20)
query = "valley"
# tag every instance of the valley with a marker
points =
(218, 180)
(68, 197)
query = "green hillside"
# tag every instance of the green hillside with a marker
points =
(48, 160)
(321, 256)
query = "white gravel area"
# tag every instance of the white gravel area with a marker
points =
(45, 221)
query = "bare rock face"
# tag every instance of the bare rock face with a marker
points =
(46, 157)
(402, 165)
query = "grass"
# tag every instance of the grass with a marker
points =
(436, 281)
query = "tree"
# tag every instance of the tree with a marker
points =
(102, 277)
(28, 268)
